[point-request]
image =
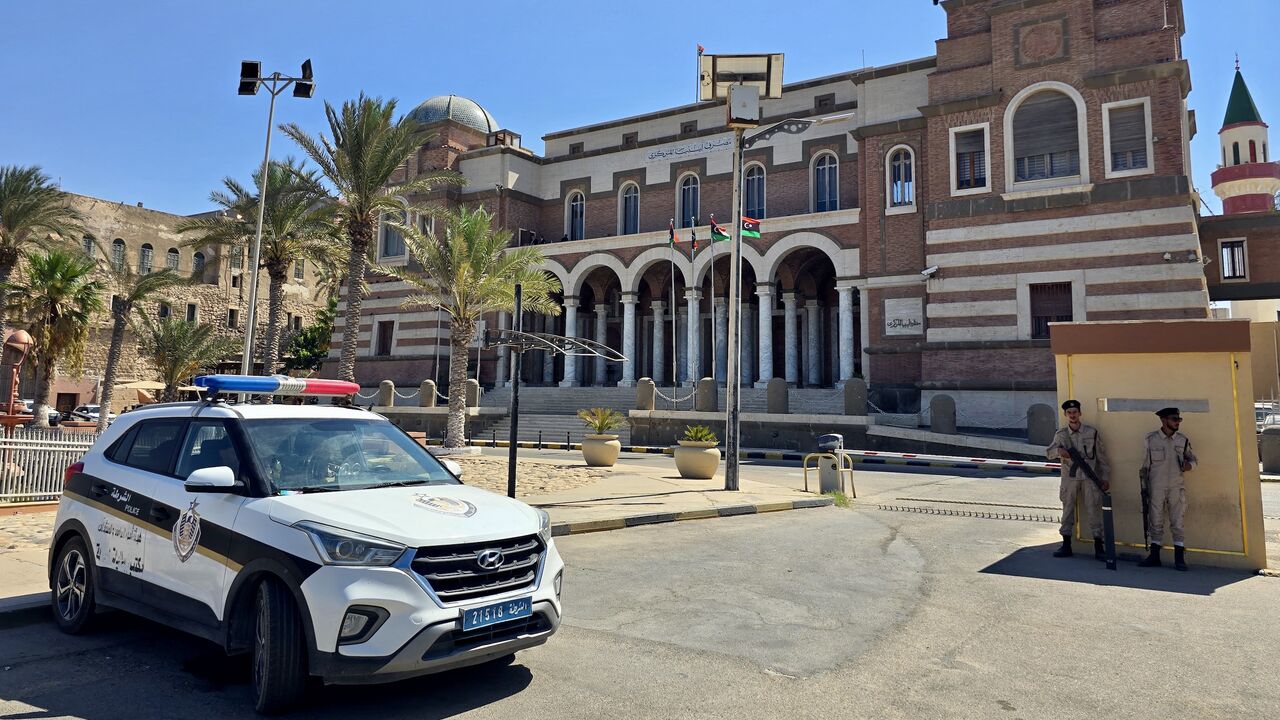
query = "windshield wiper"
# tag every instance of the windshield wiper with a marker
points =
(314, 489)
(402, 483)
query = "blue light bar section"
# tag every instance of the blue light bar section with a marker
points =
(237, 384)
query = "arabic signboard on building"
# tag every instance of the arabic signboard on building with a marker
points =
(697, 148)
(904, 316)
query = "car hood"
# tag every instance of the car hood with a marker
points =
(412, 516)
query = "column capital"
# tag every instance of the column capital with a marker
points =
(658, 306)
(812, 303)
(721, 301)
(764, 289)
(846, 290)
(693, 294)
(630, 297)
(789, 297)
(571, 301)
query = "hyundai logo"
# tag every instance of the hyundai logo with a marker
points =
(490, 559)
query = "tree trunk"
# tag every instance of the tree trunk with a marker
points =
(8, 263)
(120, 319)
(460, 332)
(275, 307)
(46, 370)
(169, 393)
(359, 235)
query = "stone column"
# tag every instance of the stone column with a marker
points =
(681, 330)
(548, 357)
(571, 330)
(864, 315)
(746, 360)
(659, 374)
(721, 368)
(764, 373)
(504, 322)
(602, 335)
(628, 339)
(832, 350)
(846, 332)
(791, 338)
(813, 321)
(693, 351)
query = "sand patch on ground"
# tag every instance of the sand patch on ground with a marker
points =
(532, 477)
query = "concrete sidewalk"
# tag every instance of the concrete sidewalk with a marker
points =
(635, 493)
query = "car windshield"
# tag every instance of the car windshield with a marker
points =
(324, 454)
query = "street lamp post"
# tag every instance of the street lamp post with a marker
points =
(250, 80)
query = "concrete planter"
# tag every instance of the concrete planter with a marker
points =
(601, 450)
(697, 460)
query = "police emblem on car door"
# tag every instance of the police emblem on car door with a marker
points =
(186, 532)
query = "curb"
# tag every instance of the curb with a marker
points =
(24, 610)
(589, 526)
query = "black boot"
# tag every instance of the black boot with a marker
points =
(1099, 549)
(1065, 550)
(1153, 560)
(1179, 559)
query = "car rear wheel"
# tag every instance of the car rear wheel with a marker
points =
(72, 593)
(279, 650)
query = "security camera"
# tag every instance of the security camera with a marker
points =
(929, 271)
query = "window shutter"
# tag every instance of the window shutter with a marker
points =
(967, 142)
(1128, 129)
(1044, 124)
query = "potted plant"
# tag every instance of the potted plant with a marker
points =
(697, 456)
(601, 449)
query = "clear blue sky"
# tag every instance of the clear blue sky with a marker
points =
(135, 101)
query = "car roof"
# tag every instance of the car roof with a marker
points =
(247, 411)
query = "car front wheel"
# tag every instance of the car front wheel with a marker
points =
(72, 593)
(279, 650)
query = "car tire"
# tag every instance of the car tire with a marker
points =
(279, 650)
(72, 596)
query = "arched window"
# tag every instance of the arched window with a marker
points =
(299, 269)
(753, 192)
(1046, 139)
(629, 210)
(1235, 153)
(687, 207)
(197, 262)
(901, 176)
(575, 218)
(87, 245)
(826, 183)
(165, 310)
(237, 257)
(117, 253)
(171, 259)
(1253, 151)
(391, 244)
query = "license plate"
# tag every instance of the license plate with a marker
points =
(479, 617)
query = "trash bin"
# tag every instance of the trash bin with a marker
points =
(830, 442)
(1269, 444)
(830, 462)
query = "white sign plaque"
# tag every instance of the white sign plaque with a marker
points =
(904, 316)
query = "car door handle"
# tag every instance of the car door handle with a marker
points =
(99, 489)
(159, 514)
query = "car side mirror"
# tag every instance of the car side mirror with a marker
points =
(452, 466)
(211, 480)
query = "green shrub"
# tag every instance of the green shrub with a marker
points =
(700, 433)
(602, 420)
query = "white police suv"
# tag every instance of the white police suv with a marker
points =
(321, 539)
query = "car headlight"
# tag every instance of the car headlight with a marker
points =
(344, 547)
(544, 525)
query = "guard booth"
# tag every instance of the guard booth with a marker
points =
(1122, 373)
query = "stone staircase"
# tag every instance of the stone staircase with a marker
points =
(553, 410)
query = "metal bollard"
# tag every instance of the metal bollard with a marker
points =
(566, 440)
(493, 440)
(539, 439)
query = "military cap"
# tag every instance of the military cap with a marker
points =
(1166, 412)
(1071, 404)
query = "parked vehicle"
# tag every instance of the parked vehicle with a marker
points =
(90, 413)
(52, 412)
(320, 539)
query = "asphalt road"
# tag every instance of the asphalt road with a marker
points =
(840, 613)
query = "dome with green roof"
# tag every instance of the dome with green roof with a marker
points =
(457, 108)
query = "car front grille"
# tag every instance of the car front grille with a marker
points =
(454, 574)
(457, 641)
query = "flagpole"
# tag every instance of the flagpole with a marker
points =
(675, 329)
(714, 344)
(732, 440)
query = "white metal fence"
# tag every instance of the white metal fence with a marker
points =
(33, 462)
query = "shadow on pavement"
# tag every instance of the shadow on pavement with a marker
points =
(1038, 563)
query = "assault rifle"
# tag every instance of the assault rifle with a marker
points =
(1108, 525)
(1144, 479)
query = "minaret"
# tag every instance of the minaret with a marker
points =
(1247, 180)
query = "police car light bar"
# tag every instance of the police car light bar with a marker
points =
(274, 385)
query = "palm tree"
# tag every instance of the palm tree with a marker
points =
(365, 148)
(467, 273)
(296, 227)
(129, 288)
(56, 304)
(178, 349)
(34, 213)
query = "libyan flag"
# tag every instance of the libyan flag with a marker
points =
(717, 233)
(672, 238)
(750, 227)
